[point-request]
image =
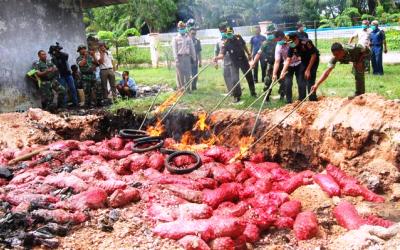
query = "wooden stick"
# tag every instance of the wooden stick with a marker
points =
(27, 156)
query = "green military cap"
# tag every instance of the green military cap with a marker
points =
(81, 47)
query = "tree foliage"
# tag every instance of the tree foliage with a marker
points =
(162, 15)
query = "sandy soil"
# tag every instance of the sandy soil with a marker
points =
(18, 130)
(361, 136)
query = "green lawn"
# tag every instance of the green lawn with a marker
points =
(139, 55)
(211, 88)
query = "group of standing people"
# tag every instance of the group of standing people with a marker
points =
(186, 49)
(93, 73)
(283, 57)
(372, 37)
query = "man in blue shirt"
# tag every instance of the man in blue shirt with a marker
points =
(127, 86)
(378, 45)
(256, 42)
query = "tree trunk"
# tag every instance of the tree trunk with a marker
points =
(372, 7)
(117, 53)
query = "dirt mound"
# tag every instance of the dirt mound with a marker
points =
(361, 136)
(36, 126)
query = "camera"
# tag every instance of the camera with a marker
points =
(54, 48)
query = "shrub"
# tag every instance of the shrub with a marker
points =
(394, 18)
(343, 21)
(368, 17)
(392, 39)
(352, 12)
(326, 23)
(134, 55)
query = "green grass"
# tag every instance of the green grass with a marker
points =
(211, 86)
(140, 55)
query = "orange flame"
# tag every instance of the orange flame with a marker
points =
(201, 123)
(156, 130)
(244, 145)
(187, 138)
(170, 101)
(212, 140)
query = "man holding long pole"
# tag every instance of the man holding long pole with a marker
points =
(236, 48)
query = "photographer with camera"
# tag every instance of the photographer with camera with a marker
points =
(60, 59)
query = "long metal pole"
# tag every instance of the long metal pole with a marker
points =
(150, 108)
(229, 93)
(258, 115)
(184, 90)
(248, 107)
(276, 125)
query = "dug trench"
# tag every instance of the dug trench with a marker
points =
(360, 136)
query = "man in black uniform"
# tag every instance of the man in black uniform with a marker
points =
(300, 31)
(236, 47)
(309, 54)
(267, 51)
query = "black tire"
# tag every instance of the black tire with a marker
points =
(132, 133)
(137, 143)
(148, 139)
(177, 170)
(168, 151)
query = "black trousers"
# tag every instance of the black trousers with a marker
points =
(297, 71)
(310, 82)
(244, 67)
(263, 64)
(268, 80)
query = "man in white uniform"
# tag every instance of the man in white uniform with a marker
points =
(363, 38)
(184, 54)
(107, 75)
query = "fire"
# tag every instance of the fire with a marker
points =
(156, 130)
(201, 123)
(170, 101)
(188, 142)
(213, 139)
(244, 145)
(187, 138)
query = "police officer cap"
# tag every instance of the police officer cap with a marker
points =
(181, 25)
(81, 47)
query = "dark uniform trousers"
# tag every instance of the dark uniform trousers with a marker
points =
(359, 75)
(298, 71)
(310, 82)
(263, 64)
(244, 65)
(268, 80)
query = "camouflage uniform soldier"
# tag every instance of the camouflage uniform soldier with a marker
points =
(346, 54)
(267, 51)
(87, 66)
(47, 73)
